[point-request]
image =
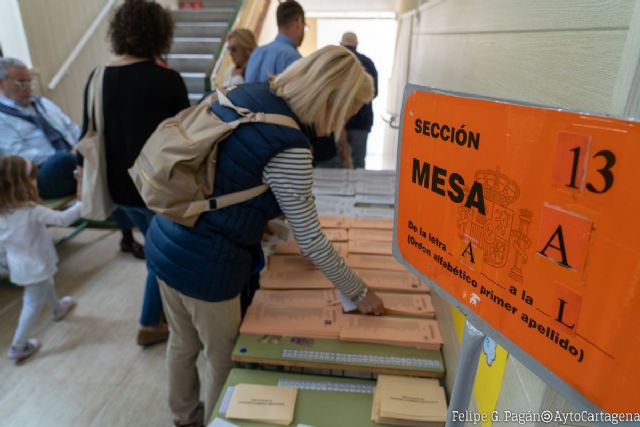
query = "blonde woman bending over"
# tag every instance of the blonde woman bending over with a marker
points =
(201, 270)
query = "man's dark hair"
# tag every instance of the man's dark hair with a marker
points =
(288, 11)
(141, 28)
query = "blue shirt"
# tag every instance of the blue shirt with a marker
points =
(19, 137)
(271, 59)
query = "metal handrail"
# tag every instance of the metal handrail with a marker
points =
(64, 69)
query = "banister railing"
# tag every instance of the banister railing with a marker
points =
(64, 69)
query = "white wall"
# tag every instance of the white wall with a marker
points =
(13, 39)
(576, 54)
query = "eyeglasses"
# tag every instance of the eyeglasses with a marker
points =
(233, 49)
(23, 84)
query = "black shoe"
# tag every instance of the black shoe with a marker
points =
(133, 247)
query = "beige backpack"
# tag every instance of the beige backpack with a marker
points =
(175, 171)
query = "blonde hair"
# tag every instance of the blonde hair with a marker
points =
(325, 88)
(17, 183)
(246, 39)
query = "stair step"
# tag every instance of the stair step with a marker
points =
(217, 3)
(199, 45)
(200, 29)
(182, 62)
(207, 15)
(194, 82)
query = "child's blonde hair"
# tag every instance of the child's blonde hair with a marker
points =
(325, 88)
(17, 183)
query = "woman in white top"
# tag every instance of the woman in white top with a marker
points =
(30, 253)
(240, 43)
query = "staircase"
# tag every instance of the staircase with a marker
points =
(198, 34)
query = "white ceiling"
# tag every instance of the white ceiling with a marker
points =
(312, 7)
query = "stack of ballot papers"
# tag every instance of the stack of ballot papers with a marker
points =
(291, 248)
(312, 322)
(413, 305)
(297, 279)
(374, 262)
(405, 401)
(297, 298)
(400, 281)
(263, 404)
(399, 331)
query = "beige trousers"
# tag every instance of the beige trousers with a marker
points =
(196, 325)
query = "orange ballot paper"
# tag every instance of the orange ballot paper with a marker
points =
(375, 247)
(290, 263)
(401, 281)
(408, 401)
(301, 279)
(296, 298)
(415, 305)
(375, 262)
(371, 234)
(313, 322)
(404, 332)
(263, 404)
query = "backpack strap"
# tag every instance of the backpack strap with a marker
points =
(246, 116)
(256, 117)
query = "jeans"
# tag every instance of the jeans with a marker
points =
(358, 142)
(152, 303)
(55, 176)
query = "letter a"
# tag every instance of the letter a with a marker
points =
(469, 250)
(560, 246)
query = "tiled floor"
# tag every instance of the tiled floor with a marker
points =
(89, 372)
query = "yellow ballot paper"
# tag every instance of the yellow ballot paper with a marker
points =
(263, 403)
(409, 402)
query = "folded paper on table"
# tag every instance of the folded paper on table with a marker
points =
(380, 235)
(415, 305)
(374, 262)
(409, 402)
(400, 281)
(404, 332)
(263, 403)
(297, 279)
(297, 298)
(312, 322)
(373, 247)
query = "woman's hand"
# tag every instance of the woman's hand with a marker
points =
(371, 304)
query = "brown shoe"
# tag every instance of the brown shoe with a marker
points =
(149, 335)
(133, 247)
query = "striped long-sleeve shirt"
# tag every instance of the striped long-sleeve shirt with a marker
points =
(290, 176)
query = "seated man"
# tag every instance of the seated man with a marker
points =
(36, 129)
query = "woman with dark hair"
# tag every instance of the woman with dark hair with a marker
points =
(137, 95)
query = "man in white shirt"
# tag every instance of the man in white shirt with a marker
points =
(36, 129)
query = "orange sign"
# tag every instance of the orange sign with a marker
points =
(529, 218)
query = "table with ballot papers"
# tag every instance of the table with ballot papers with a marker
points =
(299, 322)
(257, 398)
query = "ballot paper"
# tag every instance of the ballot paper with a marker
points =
(414, 305)
(300, 279)
(374, 262)
(334, 221)
(399, 331)
(406, 401)
(397, 281)
(297, 298)
(374, 247)
(371, 234)
(377, 223)
(312, 322)
(291, 248)
(279, 263)
(336, 234)
(263, 404)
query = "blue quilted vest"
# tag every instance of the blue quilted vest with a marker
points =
(213, 260)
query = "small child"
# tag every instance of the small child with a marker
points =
(30, 253)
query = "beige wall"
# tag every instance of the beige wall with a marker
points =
(577, 54)
(53, 29)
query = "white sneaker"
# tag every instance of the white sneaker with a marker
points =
(66, 305)
(18, 354)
